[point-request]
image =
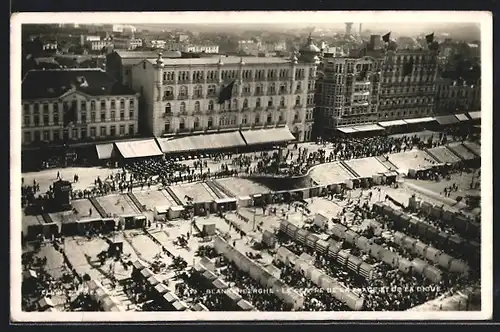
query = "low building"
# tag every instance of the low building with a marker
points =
(76, 104)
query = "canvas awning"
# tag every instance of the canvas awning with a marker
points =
(419, 120)
(104, 151)
(201, 142)
(263, 136)
(347, 130)
(446, 119)
(461, 117)
(475, 115)
(245, 305)
(138, 149)
(393, 123)
(369, 127)
(200, 307)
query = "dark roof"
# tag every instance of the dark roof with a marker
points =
(53, 83)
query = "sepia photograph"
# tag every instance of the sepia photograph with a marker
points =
(278, 165)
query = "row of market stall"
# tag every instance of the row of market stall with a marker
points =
(259, 274)
(240, 140)
(406, 124)
(156, 290)
(320, 279)
(102, 296)
(470, 249)
(232, 300)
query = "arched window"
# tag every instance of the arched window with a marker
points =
(233, 120)
(235, 104)
(168, 108)
(272, 88)
(196, 122)
(183, 91)
(182, 107)
(258, 89)
(245, 103)
(270, 102)
(210, 122)
(297, 100)
(210, 105)
(182, 123)
(246, 88)
(244, 119)
(257, 102)
(282, 101)
(167, 125)
(198, 91)
(257, 118)
(197, 106)
(211, 90)
(169, 92)
(113, 104)
(269, 118)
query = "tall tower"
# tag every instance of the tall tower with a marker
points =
(348, 27)
(360, 29)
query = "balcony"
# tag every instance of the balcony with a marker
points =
(297, 106)
(258, 93)
(271, 79)
(246, 93)
(167, 114)
(168, 82)
(245, 109)
(182, 97)
(271, 92)
(198, 96)
(184, 113)
(283, 92)
(271, 107)
(169, 97)
(297, 91)
(282, 107)
(198, 80)
(211, 94)
(258, 108)
(213, 80)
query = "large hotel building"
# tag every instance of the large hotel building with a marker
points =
(378, 85)
(180, 96)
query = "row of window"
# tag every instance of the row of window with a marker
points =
(81, 117)
(74, 104)
(76, 133)
(227, 120)
(384, 116)
(409, 78)
(184, 76)
(234, 104)
(404, 101)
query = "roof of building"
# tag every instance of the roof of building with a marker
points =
(38, 84)
(249, 60)
(310, 47)
(147, 54)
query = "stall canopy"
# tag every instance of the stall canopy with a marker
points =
(138, 149)
(475, 115)
(393, 123)
(347, 130)
(420, 120)
(461, 117)
(446, 119)
(369, 127)
(201, 142)
(264, 136)
(104, 151)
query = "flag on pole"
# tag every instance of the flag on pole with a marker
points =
(226, 93)
(429, 38)
(386, 38)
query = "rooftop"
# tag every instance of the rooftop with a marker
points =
(147, 54)
(229, 60)
(54, 83)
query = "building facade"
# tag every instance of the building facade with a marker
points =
(453, 97)
(381, 85)
(180, 95)
(98, 108)
(347, 92)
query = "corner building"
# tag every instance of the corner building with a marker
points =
(180, 96)
(374, 87)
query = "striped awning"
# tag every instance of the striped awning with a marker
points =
(104, 151)
(392, 123)
(462, 117)
(446, 119)
(264, 136)
(475, 115)
(369, 127)
(419, 120)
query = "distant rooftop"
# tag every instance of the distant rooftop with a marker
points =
(147, 54)
(53, 83)
(230, 60)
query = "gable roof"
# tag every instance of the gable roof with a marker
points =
(53, 83)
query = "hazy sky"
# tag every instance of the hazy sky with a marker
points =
(406, 21)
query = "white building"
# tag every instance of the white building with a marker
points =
(180, 95)
(76, 104)
(158, 44)
(212, 49)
